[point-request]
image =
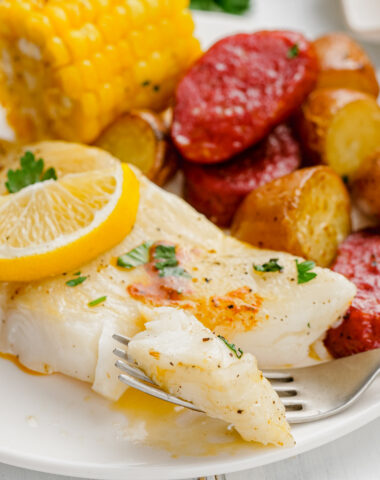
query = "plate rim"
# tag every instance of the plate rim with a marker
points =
(214, 465)
(118, 471)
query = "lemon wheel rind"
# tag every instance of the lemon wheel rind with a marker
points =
(93, 240)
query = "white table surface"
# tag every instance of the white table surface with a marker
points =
(353, 457)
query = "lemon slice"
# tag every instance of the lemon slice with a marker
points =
(55, 226)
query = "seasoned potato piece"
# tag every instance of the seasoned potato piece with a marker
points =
(306, 213)
(340, 128)
(344, 64)
(366, 186)
(141, 138)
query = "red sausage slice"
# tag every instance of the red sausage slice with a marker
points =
(359, 260)
(218, 190)
(239, 90)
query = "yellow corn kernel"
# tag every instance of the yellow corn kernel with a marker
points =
(119, 89)
(78, 44)
(110, 28)
(6, 30)
(185, 23)
(94, 38)
(72, 66)
(73, 13)
(57, 53)
(70, 81)
(87, 11)
(58, 19)
(101, 64)
(38, 28)
(125, 54)
(18, 13)
(106, 97)
(89, 75)
(136, 12)
(89, 105)
(123, 17)
(112, 56)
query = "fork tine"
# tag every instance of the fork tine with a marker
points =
(133, 371)
(121, 338)
(279, 375)
(120, 353)
(283, 391)
(155, 391)
(292, 402)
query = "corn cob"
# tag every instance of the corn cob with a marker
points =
(69, 67)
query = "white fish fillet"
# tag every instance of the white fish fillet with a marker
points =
(189, 361)
(52, 329)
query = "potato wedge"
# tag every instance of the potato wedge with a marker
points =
(340, 128)
(366, 186)
(306, 213)
(141, 138)
(344, 64)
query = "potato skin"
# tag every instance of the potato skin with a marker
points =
(141, 138)
(306, 213)
(318, 116)
(315, 117)
(366, 186)
(344, 64)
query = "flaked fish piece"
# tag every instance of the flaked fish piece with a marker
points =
(189, 361)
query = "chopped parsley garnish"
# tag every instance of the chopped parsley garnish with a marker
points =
(76, 281)
(77, 273)
(167, 263)
(99, 300)
(137, 256)
(238, 352)
(293, 51)
(229, 6)
(31, 171)
(271, 266)
(303, 271)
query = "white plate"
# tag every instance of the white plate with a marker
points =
(57, 425)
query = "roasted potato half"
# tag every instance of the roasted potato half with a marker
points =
(366, 186)
(306, 213)
(340, 128)
(141, 138)
(344, 64)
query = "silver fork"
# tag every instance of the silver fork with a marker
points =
(309, 393)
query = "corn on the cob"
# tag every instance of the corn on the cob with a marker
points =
(70, 67)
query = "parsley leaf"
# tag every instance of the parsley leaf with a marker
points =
(76, 281)
(271, 266)
(96, 302)
(239, 352)
(303, 271)
(137, 256)
(229, 6)
(167, 263)
(165, 256)
(165, 252)
(293, 51)
(31, 172)
(173, 272)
